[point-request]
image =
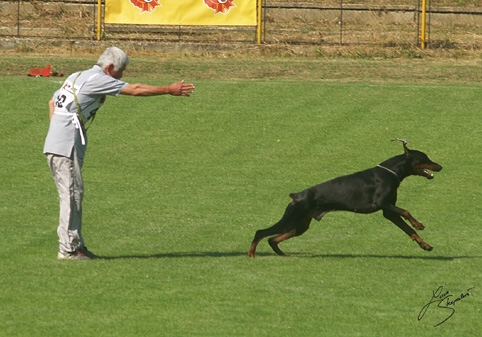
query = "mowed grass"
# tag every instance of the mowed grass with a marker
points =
(177, 187)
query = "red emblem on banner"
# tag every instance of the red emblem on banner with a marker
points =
(146, 5)
(220, 6)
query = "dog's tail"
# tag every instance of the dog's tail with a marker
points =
(302, 196)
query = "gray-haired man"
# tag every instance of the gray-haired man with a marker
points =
(75, 103)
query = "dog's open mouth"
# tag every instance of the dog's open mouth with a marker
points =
(423, 171)
(427, 174)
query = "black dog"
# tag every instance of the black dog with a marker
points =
(362, 192)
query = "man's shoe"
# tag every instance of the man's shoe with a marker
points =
(76, 255)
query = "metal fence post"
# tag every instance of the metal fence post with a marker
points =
(18, 18)
(99, 20)
(341, 22)
(259, 28)
(424, 22)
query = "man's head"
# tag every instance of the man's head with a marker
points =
(113, 61)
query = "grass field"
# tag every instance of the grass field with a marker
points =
(177, 187)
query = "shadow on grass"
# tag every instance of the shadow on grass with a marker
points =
(374, 256)
(176, 255)
(294, 255)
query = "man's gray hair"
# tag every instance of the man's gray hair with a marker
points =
(115, 56)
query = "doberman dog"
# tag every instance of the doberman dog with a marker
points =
(363, 192)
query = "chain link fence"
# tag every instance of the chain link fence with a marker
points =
(450, 24)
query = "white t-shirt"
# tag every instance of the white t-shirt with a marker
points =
(91, 88)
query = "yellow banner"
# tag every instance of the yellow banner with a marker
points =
(181, 12)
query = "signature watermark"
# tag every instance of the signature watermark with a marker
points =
(444, 302)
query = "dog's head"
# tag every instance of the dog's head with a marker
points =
(419, 162)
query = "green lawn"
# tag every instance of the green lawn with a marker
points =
(177, 187)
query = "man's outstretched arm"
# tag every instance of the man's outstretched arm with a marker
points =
(175, 89)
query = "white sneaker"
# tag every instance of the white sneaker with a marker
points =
(76, 255)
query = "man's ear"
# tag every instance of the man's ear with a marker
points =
(108, 70)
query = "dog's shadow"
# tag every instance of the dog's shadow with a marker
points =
(177, 255)
(387, 257)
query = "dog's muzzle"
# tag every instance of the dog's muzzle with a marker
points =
(432, 167)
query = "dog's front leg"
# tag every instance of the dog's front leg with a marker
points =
(406, 214)
(397, 220)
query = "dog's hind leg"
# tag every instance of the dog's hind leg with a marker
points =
(275, 240)
(299, 229)
(280, 227)
(397, 220)
(288, 223)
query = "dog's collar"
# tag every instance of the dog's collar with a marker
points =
(387, 169)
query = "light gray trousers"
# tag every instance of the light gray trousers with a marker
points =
(67, 174)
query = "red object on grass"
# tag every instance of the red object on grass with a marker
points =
(43, 72)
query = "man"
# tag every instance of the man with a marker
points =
(75, 103)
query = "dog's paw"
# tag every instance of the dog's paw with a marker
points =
(421, 243)
(252, 251)
(425, 246)
(418, 225)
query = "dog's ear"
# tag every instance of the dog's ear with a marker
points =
(405, 142)
(405, 149)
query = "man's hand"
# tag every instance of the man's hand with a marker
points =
(181, 89)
